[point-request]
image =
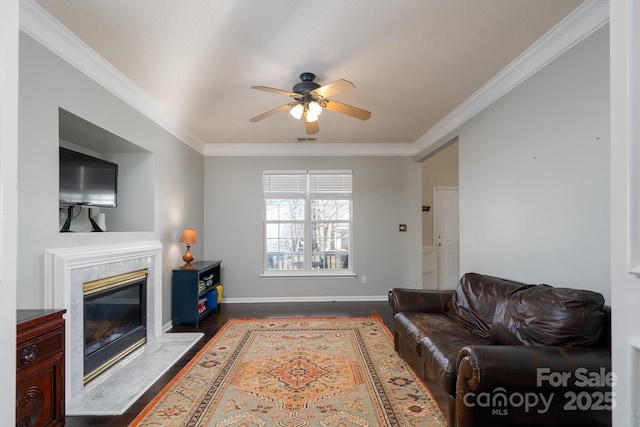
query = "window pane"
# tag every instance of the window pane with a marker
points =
(284, 209)
(285, 246)
(285, 261)
(287, 237)
(330, 243)
(272, 231)
(330, 210)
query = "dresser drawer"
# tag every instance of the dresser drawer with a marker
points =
(30, 352)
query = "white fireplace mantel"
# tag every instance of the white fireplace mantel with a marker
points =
(65, 271)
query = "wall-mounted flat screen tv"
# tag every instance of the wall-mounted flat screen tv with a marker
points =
(87, 180)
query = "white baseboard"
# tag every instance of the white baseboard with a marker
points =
(167, 326)
(367, 298)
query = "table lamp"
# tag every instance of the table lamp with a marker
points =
(189, 237)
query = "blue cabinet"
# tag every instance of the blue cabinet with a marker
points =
(194, 292)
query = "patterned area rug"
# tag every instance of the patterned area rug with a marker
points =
(335, 372)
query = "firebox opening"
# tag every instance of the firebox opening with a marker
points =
(114, 320)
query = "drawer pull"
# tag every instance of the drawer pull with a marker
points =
(29, 354)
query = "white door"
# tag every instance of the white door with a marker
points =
(446, 235)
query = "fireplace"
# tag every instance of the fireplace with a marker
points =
(114, 320)
(66, 271)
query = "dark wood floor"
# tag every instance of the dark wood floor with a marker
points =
(212, 323)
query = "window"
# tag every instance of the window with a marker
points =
(307, 221)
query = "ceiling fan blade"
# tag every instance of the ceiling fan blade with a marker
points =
(349, 110)
(279, 91)
(333, 88)
(272, 112)
(311, 127)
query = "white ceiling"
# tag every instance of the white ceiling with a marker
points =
(412, 61)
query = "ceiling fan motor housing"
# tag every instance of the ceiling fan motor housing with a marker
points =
(307, 84)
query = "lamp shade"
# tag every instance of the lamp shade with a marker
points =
(297, 111)
(189, 236)
(315, 108)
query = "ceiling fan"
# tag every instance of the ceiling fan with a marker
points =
(309, 99)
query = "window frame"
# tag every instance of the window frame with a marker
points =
(307, 196)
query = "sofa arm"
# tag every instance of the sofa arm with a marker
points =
(418, 300)
(534, 385)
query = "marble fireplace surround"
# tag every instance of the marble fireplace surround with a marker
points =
(66, 269)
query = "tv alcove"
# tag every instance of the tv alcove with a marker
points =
(135, 180)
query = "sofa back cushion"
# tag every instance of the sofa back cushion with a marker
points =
(474, 302)
(544, 315)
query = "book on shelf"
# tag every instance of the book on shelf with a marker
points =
(202, 305)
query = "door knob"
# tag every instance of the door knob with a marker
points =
(438, 244)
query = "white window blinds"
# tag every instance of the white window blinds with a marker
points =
(284, 184)
(318, 184)
(331, 184)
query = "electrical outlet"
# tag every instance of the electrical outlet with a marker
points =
(363, 279)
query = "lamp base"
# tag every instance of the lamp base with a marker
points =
(187, 258)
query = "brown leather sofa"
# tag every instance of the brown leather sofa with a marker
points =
(503, 353)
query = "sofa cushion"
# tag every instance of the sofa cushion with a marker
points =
(440, 346)
(544, 315)
(412, 327)
(474, 302)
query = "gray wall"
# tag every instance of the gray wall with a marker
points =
(534, 176)
(386, 192)
(46, 83)
(533, 188)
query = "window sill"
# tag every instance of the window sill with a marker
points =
(314, 275)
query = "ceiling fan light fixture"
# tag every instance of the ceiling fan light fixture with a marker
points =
(309, 99)
(311, 117)
(297, 111)
(315, 109)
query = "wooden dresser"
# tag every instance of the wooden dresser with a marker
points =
(40, 368)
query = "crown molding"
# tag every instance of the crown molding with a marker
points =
(308, 149)
(578, 25)
(39, 24)
(586, 19)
